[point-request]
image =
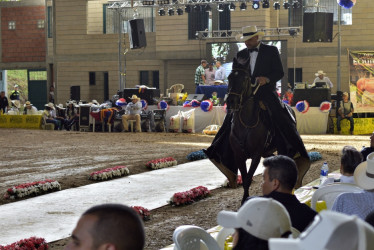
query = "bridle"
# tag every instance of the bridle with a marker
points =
(245, 84)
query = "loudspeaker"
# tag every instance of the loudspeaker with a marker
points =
(75, 93)
(84, 116)
(137, 34)
(198, 97)
(317, 27)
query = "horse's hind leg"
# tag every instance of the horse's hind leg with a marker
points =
(247, 177)
(303, 165)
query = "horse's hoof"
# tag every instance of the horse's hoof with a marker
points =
(228, 173)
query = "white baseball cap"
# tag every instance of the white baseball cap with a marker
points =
(330, 231)
(263, 218)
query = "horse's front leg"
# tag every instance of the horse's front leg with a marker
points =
(247, 178)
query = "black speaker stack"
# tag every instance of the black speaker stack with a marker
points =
(317, 27)
(137, 34)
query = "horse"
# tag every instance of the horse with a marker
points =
(251, 134)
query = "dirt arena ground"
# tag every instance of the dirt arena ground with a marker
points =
(69, 157)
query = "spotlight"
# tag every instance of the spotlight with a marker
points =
(208, 8)
(171, 12)
(161, 12)
(232, 7)
(276, 6)
(295, 4)
(187, 9)
(286, 5)
(197, 8)
(293, 32)
(221, 7)
(179, 12)
(265, 4)
(255, 5)
(243, 6)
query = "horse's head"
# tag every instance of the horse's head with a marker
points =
(238, 88)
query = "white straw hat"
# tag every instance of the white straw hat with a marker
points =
(248, 32)
(364, 173)
(263, 218)
(320, 72)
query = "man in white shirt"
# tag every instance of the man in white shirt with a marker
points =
(133, 110)
(322, 78)
(220, 72)
(30, 109)
(209, 75)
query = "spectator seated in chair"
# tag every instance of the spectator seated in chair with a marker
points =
(360, 203)
(72, 115)
(258, 220)
(350, 159)
(30, 109)
(47, 115)
(108, 226)
(345, 112)
(60, 114)
(279, 179)
(133, 110)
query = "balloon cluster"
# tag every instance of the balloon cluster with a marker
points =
(325, 106)
(121, 102)
(347, 4)
(144, 104)
(163, 105)
(206, 105)
(302, 106)
(194, 103)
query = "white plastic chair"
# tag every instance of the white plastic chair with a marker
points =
(222, 236)
(329, 193)
(192, 237)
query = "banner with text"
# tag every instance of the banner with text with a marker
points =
(361, 77)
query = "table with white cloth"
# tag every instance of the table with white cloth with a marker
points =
(202, 119)
(314, 121)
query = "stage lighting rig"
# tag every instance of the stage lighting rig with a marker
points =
(221, 7)
(161, 12)
(232, 7)
(187, 9)
(171, 12)
(295, 4)
(255, 4)
(179, 12)
(243, 6)
(276, 5)
(265, 4)
(286, 5)
(197, 8)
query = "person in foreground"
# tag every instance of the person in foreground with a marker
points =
(110, 227)
(361, 203)
(258, 220)
(279, 179)
(350, 159)
(367, 150)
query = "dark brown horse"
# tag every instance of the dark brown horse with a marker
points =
(252, 133)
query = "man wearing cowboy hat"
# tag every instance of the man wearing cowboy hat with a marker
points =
(360, 203)
(265, 69)
(133, 111)
(30, 109)
(320, 77)
(48, 115)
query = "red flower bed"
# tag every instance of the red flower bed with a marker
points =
(190, 196)
(109, 173)
(32, 189)
(32, 243)
(161, 163)
(143, 212)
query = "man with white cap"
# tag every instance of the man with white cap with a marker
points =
(320, 77)
(14, 95)
(258, 220)
(265, 69)
(361, 203)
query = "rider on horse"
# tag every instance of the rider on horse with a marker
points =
(265, 68)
